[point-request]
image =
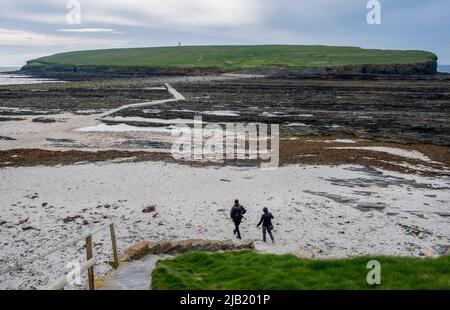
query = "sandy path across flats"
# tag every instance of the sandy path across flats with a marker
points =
(62, 134)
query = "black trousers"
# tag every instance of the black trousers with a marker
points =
(237, 222)
(269, 230)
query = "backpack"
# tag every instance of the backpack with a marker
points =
(237, 211)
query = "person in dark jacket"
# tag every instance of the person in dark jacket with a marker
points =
(266, 221)
(237, 213)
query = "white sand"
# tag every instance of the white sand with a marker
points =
(221, 113)
(194, 203)
(390, 150)
(297, 125)
(349, 141)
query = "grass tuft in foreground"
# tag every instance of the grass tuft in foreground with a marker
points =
(247, 270)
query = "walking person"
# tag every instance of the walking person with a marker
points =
(237, 213)
(267, 227)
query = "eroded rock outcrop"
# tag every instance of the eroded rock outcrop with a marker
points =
(144, 248)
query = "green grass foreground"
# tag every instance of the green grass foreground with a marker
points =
(247, 270)
(237, 56)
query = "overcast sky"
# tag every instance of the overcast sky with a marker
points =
(30, 29)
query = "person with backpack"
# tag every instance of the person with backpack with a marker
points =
(266, 221)
(237, 213)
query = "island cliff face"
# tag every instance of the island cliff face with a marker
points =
(401, 69)
(429, 67)
(54, 70)
(426, 68)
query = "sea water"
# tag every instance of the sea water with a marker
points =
(444, 68)
(7, 77)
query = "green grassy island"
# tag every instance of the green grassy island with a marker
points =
(188, 59)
